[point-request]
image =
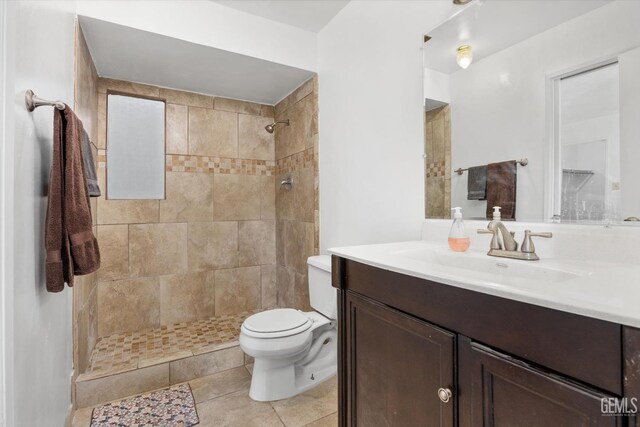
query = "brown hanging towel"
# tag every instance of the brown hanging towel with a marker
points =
(501, 188)
(71, 247)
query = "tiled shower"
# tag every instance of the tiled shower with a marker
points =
(179, 275)
(437, 145)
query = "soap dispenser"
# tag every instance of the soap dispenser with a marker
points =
(458, 238)
(496, 242)
(496, 213)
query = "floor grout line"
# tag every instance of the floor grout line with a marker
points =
(217, 397)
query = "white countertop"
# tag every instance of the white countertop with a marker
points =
(600, 289)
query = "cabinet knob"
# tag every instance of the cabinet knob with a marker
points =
(444, 394)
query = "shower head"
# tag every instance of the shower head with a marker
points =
(270, 128)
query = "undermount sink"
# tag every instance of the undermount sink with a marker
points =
(481, 263)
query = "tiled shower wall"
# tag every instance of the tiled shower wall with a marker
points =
(297, 211)
(85, 301)
(209, 248)
(438, 163)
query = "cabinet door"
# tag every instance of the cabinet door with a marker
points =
(395, 366)
(498, 390)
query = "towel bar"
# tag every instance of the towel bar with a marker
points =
(522, 162)
(32, 101)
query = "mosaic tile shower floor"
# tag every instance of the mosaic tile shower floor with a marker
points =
(124, 352)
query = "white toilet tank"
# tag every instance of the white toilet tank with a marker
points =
(322, 295)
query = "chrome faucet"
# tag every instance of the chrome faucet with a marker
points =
(504, 245)
(505, 236)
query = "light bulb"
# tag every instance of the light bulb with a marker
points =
(464, 56)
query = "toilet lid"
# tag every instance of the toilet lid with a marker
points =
(278, 320)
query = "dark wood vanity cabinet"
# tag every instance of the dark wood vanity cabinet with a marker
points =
(395, 363)
(504, 391)
(405, 343)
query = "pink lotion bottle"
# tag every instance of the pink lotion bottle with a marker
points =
(458, 238)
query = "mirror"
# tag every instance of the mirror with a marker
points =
(534, 106)
(135, 147)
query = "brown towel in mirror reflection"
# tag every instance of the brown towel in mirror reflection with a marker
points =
(501, 188)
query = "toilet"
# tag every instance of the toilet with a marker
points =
(294, 350)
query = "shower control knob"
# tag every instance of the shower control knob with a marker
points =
(444, 394)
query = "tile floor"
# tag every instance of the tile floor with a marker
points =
(122, 352)
(222, 399)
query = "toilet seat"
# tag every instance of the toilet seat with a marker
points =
(277, 323)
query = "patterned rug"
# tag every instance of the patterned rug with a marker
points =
(170, 407)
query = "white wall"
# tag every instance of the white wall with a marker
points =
(3, 203)
(371, 121)
(437, 85)
(498, 104)
(211, 24)
(39, 53)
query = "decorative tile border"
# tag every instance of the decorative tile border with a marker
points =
(299, 160)
(435, 169)
(219, 165)
(102, 158)
(205, 164)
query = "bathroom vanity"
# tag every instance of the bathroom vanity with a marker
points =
(415, 350)
(541, 119)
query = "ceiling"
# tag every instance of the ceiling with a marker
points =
(126, 53)
(310, 15)
(490, 26)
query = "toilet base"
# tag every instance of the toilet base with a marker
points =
(275, 379)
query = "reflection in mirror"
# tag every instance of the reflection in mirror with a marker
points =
(552, 83)
(438, 154)
(589, 148)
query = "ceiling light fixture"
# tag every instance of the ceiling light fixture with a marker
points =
(461, 2)
(464, 56)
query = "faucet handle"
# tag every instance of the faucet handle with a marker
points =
(495, 243)
(527, 243)
(486, 231)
